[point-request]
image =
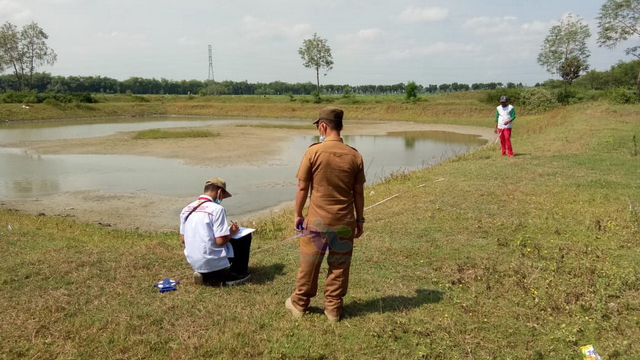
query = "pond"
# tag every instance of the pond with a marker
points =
(25, 175)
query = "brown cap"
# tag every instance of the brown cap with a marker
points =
(221, 184)
(330, 113)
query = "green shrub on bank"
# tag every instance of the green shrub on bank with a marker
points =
(166, 134)
(33, 97)
(534, 100)
(620, 95)
(570, 95)
(53, 103)
(514, 94)
(538, 100)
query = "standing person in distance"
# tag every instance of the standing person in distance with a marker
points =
(505, 114)
(216, 258)
(334, 174)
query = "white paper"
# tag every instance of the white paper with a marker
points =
(242, 232)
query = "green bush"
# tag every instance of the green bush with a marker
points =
(538, 100)
(33, 97)
(514, 94)
(15, 97)
(570, 95)
(53, 103)
(140, 98)
(620, 95)
(411, 91)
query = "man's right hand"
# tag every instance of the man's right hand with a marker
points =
(298, 224)
(233, 229)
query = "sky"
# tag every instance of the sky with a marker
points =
(372, 41)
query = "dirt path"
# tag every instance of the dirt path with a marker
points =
(123, 210)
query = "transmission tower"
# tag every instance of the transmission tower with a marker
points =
(211, 65)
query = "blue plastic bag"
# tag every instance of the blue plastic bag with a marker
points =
(167, 285)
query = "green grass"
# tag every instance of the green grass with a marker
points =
(506, 258)
(463, 109)
(279, 126)
(172, 134)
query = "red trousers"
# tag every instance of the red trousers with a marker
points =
(505, 141)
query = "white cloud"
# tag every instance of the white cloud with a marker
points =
(491, 25)
(361, 36)
(370, 34)
(258, 28)
(424, 14)
(122, 39)
(363, 43)
(15, 12)
(439, 48)
(63, 2)
(188, 41)
(507, 35)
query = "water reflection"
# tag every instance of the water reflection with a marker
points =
(438, 136)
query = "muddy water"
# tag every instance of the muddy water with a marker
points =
(24, 175)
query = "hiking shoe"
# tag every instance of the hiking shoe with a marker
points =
(197, 278)
(235, 279)
(289, 305)
(332, 318)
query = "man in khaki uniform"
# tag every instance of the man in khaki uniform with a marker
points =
(334, 173)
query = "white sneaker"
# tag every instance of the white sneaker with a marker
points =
(332, 318)
(197, 278)
(289, 305)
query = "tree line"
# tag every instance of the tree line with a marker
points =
(621, 75)
(45, 82)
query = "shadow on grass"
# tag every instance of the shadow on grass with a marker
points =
(261, 275)
(393, 303)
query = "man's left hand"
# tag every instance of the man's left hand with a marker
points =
(359, 230)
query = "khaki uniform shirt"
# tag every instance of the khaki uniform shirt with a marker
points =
(333, 169)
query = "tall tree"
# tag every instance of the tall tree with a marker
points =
(316, 54)
(618, 21)
(570, 69)
(567, 40)
(24, 51)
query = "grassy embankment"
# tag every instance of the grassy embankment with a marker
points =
(522, 258)
(435, 108)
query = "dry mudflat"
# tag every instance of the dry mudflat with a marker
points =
(235, 145)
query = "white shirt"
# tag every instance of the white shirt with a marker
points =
(200, 231)
(504, 114)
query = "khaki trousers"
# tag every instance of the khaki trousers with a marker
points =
(312, 251)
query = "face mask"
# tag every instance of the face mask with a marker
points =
(217, 201)
(322, 137)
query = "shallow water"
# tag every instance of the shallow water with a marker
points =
(23, 175)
